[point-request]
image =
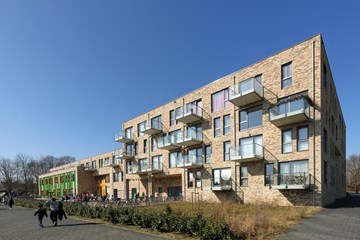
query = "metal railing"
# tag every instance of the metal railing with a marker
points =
(187, 110)
(287, 179)
(167, 140)
(190, 134)
(124, 135)
(150, 124)
(189, 160)
(221, 183)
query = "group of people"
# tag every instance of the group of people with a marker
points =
(56, 212)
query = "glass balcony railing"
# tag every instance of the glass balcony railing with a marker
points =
(112, 163)
(153, 127)
(221, 184)
(189, 113)
(189, 161)
(294, 111)
(168, 142)
(298, 180)
(124, 137)
(123, 154)
(189, 137)
(246, 92)
(247, 152)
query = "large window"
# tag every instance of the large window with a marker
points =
(198, 179)
(190, 179)
(247, 145)
(172, 118)
(208, 154)
(227, 151)
(116, 177)
(226, 124)
(269, 170)
(130, 149)
(303, 139)
(143, 164)
(173, 158)
(220, 100)
(153, 144)
(156, 122)
(157, 162)
(251, 118)
(141, 127)
(129, 166)
(195, 155)
(286, 75)
(221, 177)
(288, 170)
(287, 141)
(244, 176)
(217, 128)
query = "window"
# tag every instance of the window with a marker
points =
(251, 118)
(269, 170)
(208, 154)
(325, 77)
(172, 118)
(153, 144)
(129, 166)
(226, 124)
(173, 158)
(198, 179)
(289, 170)
(220, 100)
(56, 179)
(303, 139)
(156, 122)
(222, 177)
(122, 176)
(287, 141)
(93, 164)
(190, 179)
(227, 151)
(106, 161)
(157, 162)
(130, 149)
(325, 140)
(217, 129)
(141, 127)
(116, 176)
(244, 176)
(143, 164)
(249, 145)
(129, 132)
(136, 148)
(194, 107)
(145, 146)
(286, 75)
(195, 155)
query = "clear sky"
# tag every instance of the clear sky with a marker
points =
(72, 71)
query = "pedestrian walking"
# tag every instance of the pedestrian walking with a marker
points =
(11, 203)
(40, 212)
(54, 209)
(61, 213)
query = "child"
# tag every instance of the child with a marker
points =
(40, 212)
(61, 212)
(11, 202)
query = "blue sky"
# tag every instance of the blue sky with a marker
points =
(72, 71)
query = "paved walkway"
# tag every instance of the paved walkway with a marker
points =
(338, 222)
(20, 224)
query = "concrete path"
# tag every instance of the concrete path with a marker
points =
(20, 224)
(340, 221)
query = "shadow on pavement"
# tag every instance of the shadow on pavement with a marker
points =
(352, 201)
(74, 224)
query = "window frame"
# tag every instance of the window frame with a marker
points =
(226, 128)
(225, 103)
(247, 121)
(242, 178)
(226, 150)
(283, 143)
(283, 78)
(207, 155)
(217, 129)
(302, 140)
(266, 174)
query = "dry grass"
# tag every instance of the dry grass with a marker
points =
(262, 221)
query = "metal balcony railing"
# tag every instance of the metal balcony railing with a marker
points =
(298, 180)
(221, 184)
(246, 92)
(124, 137)
(189, 161)
(247, 152)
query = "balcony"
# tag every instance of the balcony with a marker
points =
(124, 138)
(221, 184)
(153, 127)
(246, 92)
(189, 161)
(113, 163)
(90, 168)
(168, 142)
(189, 114)
(247, 153)
(291, 112)
(123, 154)
(189, 137)
(286, 181)
(144, 169)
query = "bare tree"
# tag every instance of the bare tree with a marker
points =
(6, 174)
(22, 170)
(353, 171)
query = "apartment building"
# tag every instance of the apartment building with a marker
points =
(271, 132)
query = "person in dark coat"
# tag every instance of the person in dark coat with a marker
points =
(61, 212)
(40, 212)
(11, 203)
